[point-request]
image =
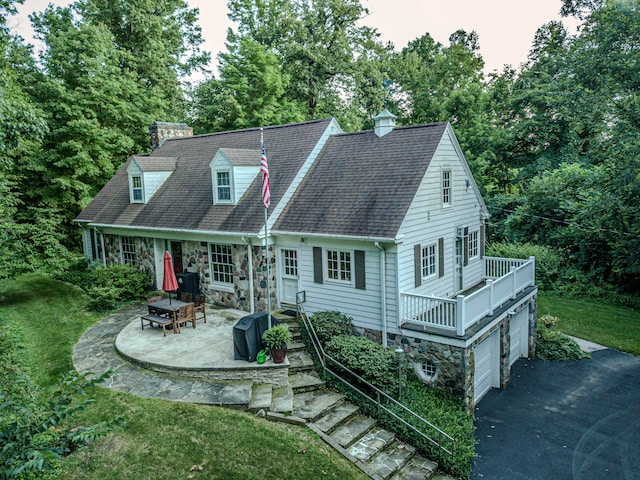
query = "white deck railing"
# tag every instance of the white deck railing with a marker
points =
(505, 278)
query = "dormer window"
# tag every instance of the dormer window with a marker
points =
(223, 187)
(136, 188)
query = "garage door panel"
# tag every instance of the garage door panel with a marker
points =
(518, 336)
(487, 365)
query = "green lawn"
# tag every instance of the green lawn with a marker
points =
(162, 439)
(614, 327)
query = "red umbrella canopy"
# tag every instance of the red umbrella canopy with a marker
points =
(169, 282)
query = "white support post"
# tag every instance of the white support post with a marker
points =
(513, 282)
(533, 274)
(490, 285)
(460, 315)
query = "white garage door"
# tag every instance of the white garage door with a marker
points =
(518, 330)
(487, 366)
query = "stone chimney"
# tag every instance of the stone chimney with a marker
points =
(384, 123)
(161, 131)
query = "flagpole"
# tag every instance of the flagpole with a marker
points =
(266, 199)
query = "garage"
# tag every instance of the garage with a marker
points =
(487, 366)
(518, 336)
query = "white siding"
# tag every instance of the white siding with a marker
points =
(363, 305)
(427, 221)
(152, 181)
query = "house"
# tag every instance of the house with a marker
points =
(386, 226)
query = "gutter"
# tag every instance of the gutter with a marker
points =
(383, 292)
(334, 236)
(174, 230)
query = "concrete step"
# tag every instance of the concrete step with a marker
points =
(340, 414)
(313, 405)
(418, 468)
(261, 397)
(371, 443)
(294, 346)
(390, 460)
(300, 361)
(350, 432)
(282, 400)
(305, 382)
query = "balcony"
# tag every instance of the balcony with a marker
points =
(504, 279)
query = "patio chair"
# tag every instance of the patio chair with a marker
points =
(200, 307)
(186, 314)
(186, 297)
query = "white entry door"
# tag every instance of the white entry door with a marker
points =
(487, 366)
(518, 336)
(289, 280)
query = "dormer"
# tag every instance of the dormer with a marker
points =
(232, 171)
(146, 176)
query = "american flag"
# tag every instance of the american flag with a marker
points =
(264, 168)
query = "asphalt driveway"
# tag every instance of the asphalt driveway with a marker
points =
(576, 420)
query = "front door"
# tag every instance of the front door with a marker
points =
(289, 269)
(176, 254)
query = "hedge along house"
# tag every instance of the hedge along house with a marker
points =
(386, 226)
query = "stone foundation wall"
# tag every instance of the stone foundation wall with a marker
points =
(145, 258)
(260, 277)
(277, 377)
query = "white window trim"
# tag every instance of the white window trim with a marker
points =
(216, 198)
(449, 201)
(132, 189)
(284, 263)
(325, 259)
(433, 265)
(218, 285)
(473, 244)
(134, 252)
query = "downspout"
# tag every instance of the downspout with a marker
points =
(104, 252)
(250, 267)
(383, 293)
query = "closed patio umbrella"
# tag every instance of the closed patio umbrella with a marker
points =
(169, 282)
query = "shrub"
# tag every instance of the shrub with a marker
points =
(373, 362)
(554, 345)
(115, 285)
(331, 324)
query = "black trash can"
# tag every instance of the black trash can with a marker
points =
(188, 283)
(247, 335)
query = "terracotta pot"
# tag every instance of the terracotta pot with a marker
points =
(279, 354)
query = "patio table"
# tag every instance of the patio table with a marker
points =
(169, 309)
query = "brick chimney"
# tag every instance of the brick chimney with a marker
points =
(161, 131)
(384, 123)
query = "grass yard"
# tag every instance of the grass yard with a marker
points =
(614, 327)
(161, 439)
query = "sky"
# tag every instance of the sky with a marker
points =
(505, 28)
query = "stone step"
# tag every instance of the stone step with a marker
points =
(305, 382)
(340, 414)
(390, 460)
(282, 400)
(300, 361)
(313, 405)
(350, 432)
(294, 346)
(418, 468)
(261, 396)
(371, 443)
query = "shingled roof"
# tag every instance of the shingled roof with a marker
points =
(185, 200)
(362, 185)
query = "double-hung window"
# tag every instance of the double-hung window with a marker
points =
(223, 187)
(221, 264)
(129, 251)
(446, 188)
(136, 188)
(429, 260)
(473, 249)
(339, 265)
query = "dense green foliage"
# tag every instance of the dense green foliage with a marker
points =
(115, 285)
(554, 345)
(330, 324)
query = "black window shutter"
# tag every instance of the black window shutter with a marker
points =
(482, 240)
(417, 254)
(317, 265)
(360, 273)
(440, 257)
(465, 249)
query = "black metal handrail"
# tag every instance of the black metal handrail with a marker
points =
(445, 442)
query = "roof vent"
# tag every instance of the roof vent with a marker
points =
(384, 123)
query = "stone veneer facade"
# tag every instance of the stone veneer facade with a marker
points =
(145, 258)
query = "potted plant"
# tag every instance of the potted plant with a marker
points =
(548, 320)
(277, 338)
